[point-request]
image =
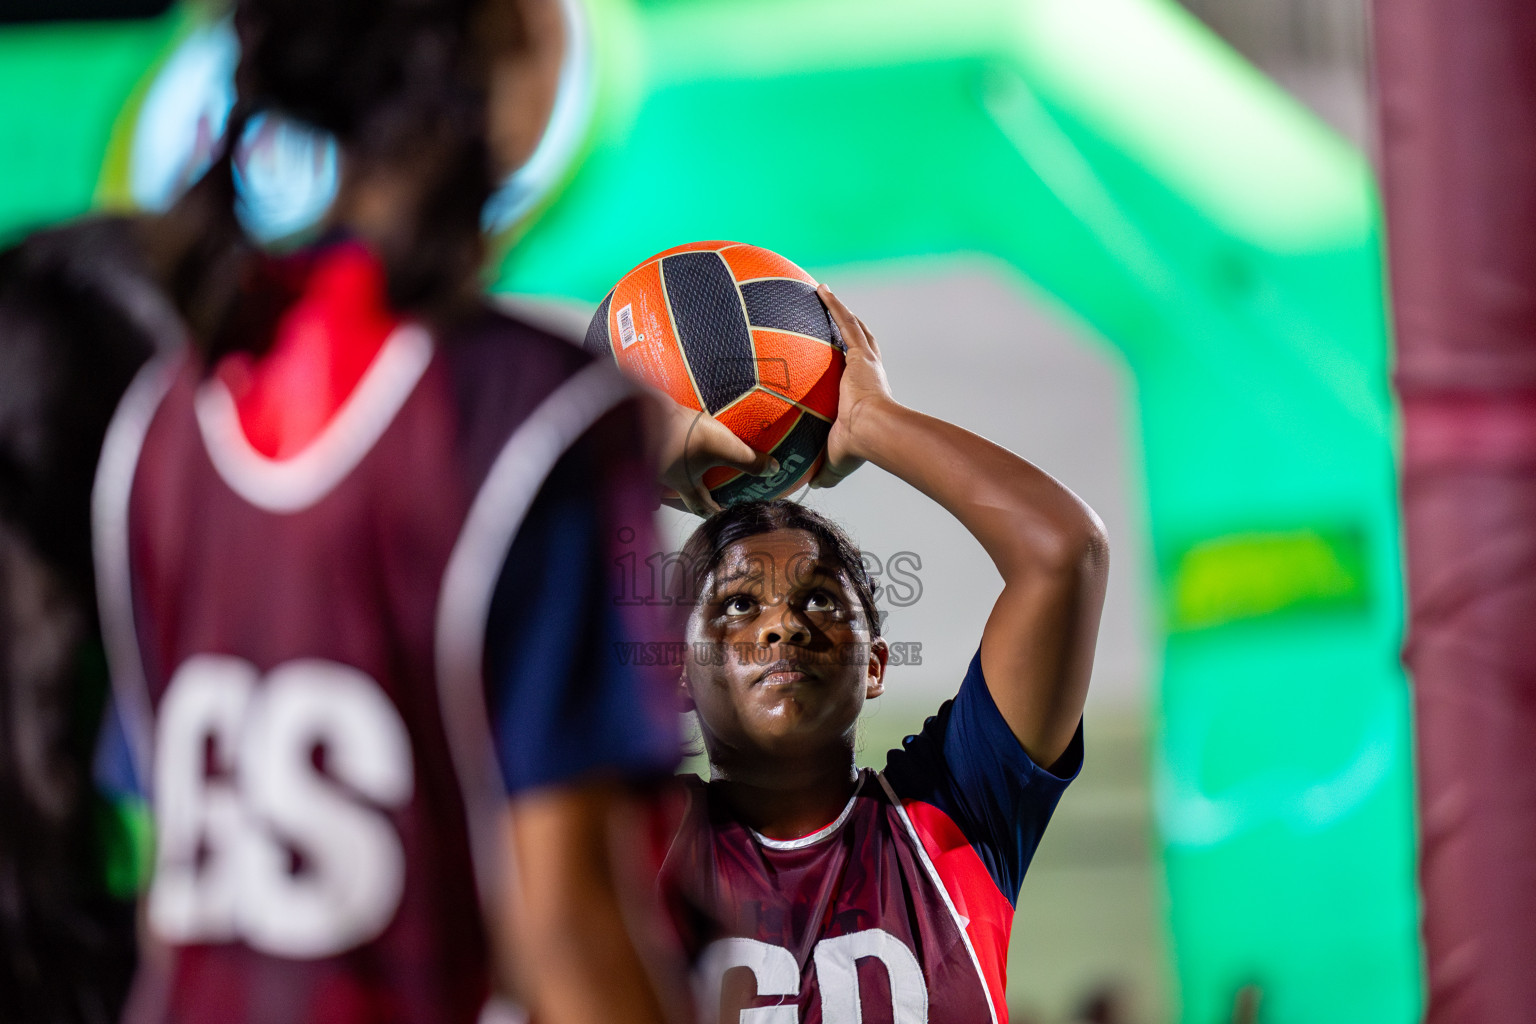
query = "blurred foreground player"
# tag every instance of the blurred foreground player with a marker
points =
(353, 556)
(877, 896)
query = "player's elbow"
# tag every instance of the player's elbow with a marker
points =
(1089, 549)
(1071, 547)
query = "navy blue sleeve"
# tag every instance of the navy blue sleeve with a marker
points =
(566, 696)
(968, 764)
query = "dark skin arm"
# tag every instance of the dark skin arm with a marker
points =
(568, 910)
(1049, 547)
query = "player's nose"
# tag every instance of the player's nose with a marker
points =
(782, 623)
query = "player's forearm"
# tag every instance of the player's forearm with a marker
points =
(1027, 522)
(587, 970)
(576, 957)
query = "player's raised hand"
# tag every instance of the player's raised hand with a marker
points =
(863, 382)
(690, 443)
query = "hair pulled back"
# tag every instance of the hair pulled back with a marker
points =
(703, 551)
(402, 85)
(78, 316)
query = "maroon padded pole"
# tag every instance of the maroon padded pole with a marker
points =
(1456, 91)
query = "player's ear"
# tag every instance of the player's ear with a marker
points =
(684, 693)
(874, 679)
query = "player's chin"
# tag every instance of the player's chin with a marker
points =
(793, 724)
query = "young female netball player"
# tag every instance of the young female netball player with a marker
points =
(879, 896)
(353, 550)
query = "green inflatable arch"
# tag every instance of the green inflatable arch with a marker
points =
(1123, 160)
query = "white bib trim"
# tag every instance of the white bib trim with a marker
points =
(296, 483)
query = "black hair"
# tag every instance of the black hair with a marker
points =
(77, 318)
(703, 551)
(403, 86)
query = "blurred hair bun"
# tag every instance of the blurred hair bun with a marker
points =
(334, 63)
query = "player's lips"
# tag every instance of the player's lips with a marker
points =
(784, 672)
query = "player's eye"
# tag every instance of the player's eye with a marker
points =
(738, 604)
(820, 601)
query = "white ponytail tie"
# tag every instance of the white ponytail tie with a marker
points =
(287, 174)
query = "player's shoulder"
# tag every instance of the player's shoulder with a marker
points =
(491, 339)
(966, 739)
(502, 369)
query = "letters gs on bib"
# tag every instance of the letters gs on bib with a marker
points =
(256, 844)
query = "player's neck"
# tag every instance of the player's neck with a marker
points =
(787, 801)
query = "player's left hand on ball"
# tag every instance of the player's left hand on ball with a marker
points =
(863, 382)
(692, 442)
